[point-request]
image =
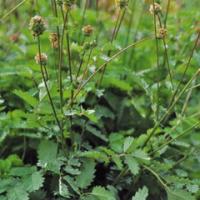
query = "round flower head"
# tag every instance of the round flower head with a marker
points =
(162, 33)
(88, 30)
(41, 59)
(53, 37)
(122, 3)
(155, 8)
(37, 25)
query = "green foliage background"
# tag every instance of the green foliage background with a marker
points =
(102, 154)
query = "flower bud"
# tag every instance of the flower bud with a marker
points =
(88, 30)
(155, 8)
(41, 59)
(53, 37)
(162, 33)
(37, 25)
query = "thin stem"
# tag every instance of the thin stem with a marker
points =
(170, 109)
(130, 23)
(12, 10)
(186, 68)
(175, 138)
(157, 177)
(114, 35)
(46, 86)
(69, 58)
(70, 65)
(120, 23)
(157, 60)
(187, 99)
(86, 67)
(121, 174)
(167, 13)
(108, 61)
(84, 13)
(55, 12)
(166, 58)
(80, 65)
(60, 64)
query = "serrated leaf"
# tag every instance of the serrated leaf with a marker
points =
(17, 193)
(63, 189)
(87, 174)
(127, 143)
(47, 153)
(179, 195)
(72, 184)
(141, 156)
(141, 194)
(33, 182)
(116, 141)
(115, 157)
(102, 194)
(132, 164)
(22, 171)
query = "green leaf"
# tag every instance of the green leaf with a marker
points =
(116, 82)
(72, 184)
(47, 156)
(132, 164)
(102, 194)
(17, 193)
(22, 171)
(63, 189)
(141, 194)
(116, 142)
(87, 174)
(33, 182)
(179, 195)
(128, 143)
(96, 133)
(26, 97)
(95, 155)
(141, 156)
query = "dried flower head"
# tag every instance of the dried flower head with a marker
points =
(41, 59)
(88, 30)
(155, 8)
(122, 3)
(37, 25)
(53, 37)
(162, 33)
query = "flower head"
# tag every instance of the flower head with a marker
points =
(155, 8)
(88, 30)
(53, 37)
(162, 33)
(37, 25)
(41, 59)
